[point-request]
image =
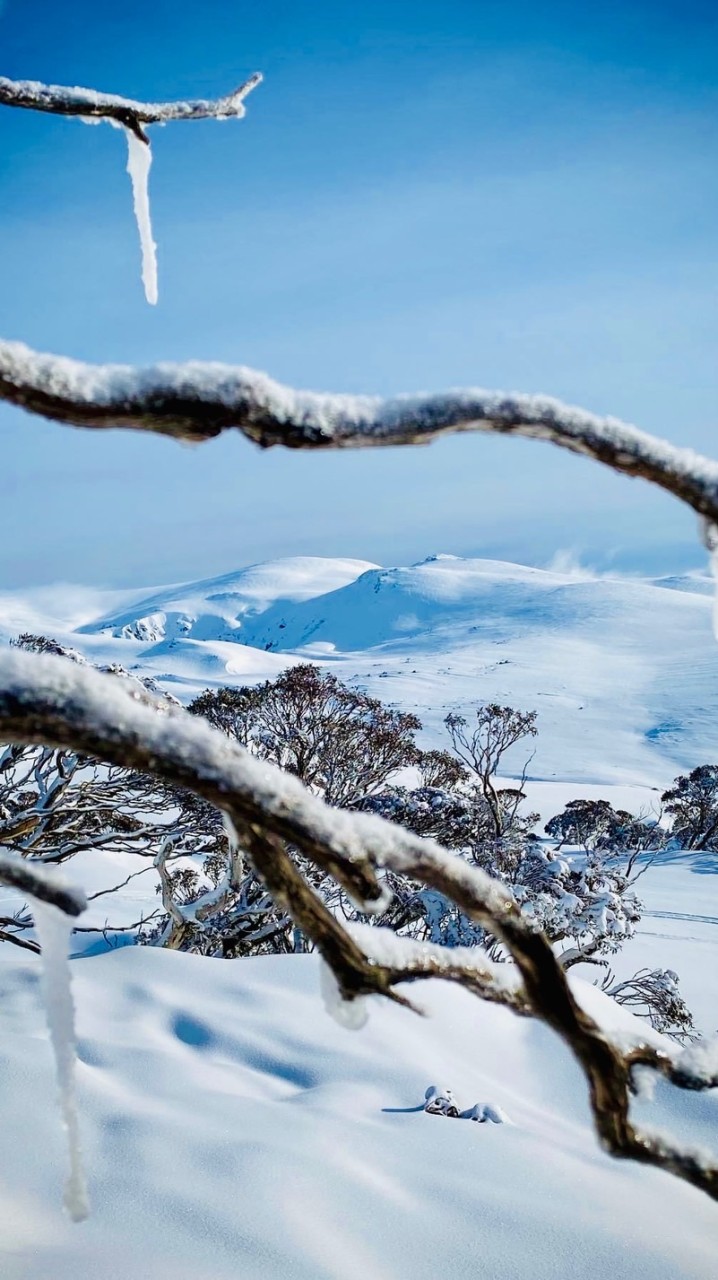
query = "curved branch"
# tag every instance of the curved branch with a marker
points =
(198, 402)
(40, 884)
(24, 943)
(91, 105)
(50, 699)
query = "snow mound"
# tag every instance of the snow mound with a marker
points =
(232, 1128)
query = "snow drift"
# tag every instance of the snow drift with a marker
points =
(231, 1128)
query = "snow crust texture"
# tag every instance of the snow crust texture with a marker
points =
(234, 1129)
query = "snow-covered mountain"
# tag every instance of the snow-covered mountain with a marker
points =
(622, 671)
(229, 1125)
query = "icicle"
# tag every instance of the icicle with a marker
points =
(53, 928)
(139, 160)
(710, 538)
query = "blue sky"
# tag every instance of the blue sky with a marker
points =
(518, 196)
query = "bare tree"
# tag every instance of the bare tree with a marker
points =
(50, 700)
(343, 744)
(654, 994)
(581, 900)
(482, 750)
(57, 803)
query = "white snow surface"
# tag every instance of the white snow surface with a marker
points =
(232, 1128)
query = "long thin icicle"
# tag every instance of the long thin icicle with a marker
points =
(139, 161)
(53, 929)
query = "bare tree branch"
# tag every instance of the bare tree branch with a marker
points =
(29, 878)
(696, 1068)
(52, 700)
(25, 943)
(102, 893)
(198, 401)
(91, 105)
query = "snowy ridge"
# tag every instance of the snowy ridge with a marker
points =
(623, 672)
(222, 608)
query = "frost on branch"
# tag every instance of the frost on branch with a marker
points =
(198, 401)
(88, 103)
(351, 1014)
(699, 1063)
(33, 880)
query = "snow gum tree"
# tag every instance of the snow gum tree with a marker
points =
(582, 900)
(692, 802)
(56, 804)
(343, 744)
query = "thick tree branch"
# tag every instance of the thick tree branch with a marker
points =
(40, 884)
(199, 401)
(24, 943)
(52, 700)
(91, 105)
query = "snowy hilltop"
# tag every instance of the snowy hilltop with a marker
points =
(622, 671)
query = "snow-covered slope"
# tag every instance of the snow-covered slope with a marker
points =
(232, 1129)
(228, 607)
(623, 672)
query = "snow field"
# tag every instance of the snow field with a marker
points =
(231, 1127)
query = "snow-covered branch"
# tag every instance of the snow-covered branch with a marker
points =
(91, 105)
(53, 700)
(39, 883)
(197, 401)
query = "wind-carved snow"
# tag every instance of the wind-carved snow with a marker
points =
(54, 929)
(139, 161)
